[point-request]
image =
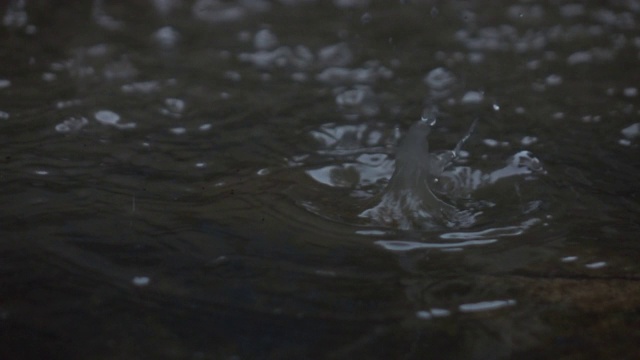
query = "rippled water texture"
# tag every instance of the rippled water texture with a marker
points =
(204, 179)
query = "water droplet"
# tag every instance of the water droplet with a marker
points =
(496, 107)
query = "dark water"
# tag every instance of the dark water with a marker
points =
(191, 180)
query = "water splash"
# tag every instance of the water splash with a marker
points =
(409, 202)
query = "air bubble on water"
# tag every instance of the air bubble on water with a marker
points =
(107, 117)
(475, 57)
(432, 313)
(491, 142)
(201, 165)
(263, 172)
(553, 80)
(142, 87)
(591, 118)
(439, 79)
(557, 115)
(49, 76)
(4, 115)
(178, 130)
(624, 142)
(174, 105)
(71, 124)
(205, 127)
(496, 107)
(63, 104)
(424, 315)
(41, 172)
(440, 312)
(632, 131)
(580, 57)
(4, 83)
(167, 36)
(141, 281)
(596, 265)
(520, 110)
(630, 92)
(215, 11)
(569, 258)
(335, 55)
(265, 39)
(472, 97)
(243, 36)
(528, 140)
(366, 18)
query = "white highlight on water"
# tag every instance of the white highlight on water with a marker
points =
(596, 265)
(486, 305)
(397, 245)
(432, 313)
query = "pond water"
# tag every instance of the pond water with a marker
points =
(252, 179)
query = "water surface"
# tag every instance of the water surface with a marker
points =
(194, 179)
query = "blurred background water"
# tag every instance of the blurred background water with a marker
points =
(187, 179)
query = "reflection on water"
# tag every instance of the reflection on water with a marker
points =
(248, 179)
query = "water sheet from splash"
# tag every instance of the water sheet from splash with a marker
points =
(408, 201)
(425, 186)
